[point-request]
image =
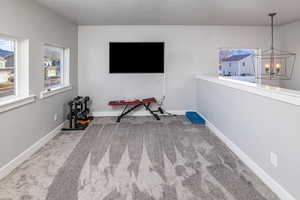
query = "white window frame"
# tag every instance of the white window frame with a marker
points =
(65, 74)
(257, 64)
(21, 76)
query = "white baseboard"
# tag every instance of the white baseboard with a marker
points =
(266, 178)
(16, 162)
(137, 113)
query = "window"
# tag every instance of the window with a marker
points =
(7, 67)
(14, 73)
(238, 64)
(53, 66)
(56, 68)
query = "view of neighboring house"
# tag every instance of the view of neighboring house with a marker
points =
(238, 65)
(52, 70)
(6, 72)
(6, 59)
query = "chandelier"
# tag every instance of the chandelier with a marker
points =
(275, 64)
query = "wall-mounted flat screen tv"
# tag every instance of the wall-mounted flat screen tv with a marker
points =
(136, 57)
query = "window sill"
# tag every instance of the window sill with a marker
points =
(277, 93)
(54, 91)
(15, 102)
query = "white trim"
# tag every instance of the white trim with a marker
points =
(9, 103)
(54, 91)
(276, 93)
(22, 68)
(53, 45)
(16, 162)
(66, 68)
(137, 113)
(8, 37)
(266, 178)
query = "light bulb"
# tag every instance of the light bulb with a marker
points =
(278, 66)
(267, 68)
(267, 65)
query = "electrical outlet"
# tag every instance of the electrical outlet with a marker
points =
(274, 159)
(55, 117)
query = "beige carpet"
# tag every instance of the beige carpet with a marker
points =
(137, 159)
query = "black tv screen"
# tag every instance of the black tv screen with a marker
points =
(136, 57)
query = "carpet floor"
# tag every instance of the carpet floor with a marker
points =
(137, 159)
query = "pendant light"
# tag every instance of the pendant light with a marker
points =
(275, 64)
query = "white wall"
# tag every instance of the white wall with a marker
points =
(188, 50)
(257, 125)
(22, 127)
(290, 41)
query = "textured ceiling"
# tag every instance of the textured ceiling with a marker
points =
(175, 12)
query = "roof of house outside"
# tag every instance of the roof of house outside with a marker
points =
(4, 53)
(236, 58)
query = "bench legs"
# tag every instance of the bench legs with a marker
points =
(127, 110)
(147, 106)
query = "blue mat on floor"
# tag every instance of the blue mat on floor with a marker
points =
(195, 118)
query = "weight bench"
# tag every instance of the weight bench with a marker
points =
(133, 105)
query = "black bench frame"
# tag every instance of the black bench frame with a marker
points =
(131, 107)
